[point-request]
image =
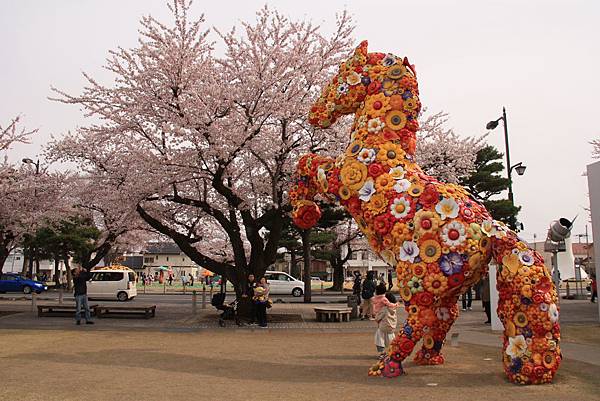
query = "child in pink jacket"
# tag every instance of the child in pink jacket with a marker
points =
(384, 308)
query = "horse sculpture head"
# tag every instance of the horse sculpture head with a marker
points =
(381, 89)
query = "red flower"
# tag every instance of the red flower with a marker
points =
(373, 87)
(390, 135)
(430, 196)
(307, 216)
(354, 206)
(375, 170)
(424, 298)
(373, 58)
(544, 285)
(406, 346)
(538, 371)
(454, 280)
(538, 298)
(383, 224)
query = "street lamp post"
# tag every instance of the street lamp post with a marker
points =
(519, 167)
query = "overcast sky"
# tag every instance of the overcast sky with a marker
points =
(539, 59)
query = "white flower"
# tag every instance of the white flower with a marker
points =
(442, 313)
(388, 257)
(454, 233)
(409, 251)
(553, 313)
(402, 185)
(397, 172)
(389, 59)
(366, 155)
(447, 208)
(353, 78)
(342, 88)
(362, 121)
(400, 208)
(367, 190)
(375, 125)
(526, 258)
(516, 346)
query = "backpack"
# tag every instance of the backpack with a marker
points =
(368, 290)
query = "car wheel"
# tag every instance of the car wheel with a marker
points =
(26, 290)
(122, 296)
(297, 292)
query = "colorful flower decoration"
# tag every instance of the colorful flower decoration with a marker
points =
(439, 239)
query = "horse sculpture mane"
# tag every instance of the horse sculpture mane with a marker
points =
(438, 238)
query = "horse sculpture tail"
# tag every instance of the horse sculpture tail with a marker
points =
(528, 309)
(313, 176)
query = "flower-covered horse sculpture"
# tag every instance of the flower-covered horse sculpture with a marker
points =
(437, 237)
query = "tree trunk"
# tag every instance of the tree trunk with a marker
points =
(338, 273)
(29, 272)
(56, 271)
(3, 256)
(295, 267)
(306, 275)
(69, 276)
(37, 267)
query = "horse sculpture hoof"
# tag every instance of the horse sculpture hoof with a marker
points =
(387, 367)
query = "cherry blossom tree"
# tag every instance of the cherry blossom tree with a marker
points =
(202, 145)
(28, 196)
(595, 148)
(442, 153)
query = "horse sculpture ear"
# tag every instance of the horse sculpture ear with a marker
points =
(362, 48)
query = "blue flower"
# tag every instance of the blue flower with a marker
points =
(451, 263)
(516, 365)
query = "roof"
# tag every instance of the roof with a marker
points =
(162, 248)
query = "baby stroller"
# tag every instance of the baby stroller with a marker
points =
(229, 312)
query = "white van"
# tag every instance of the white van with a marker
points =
(283, 283)
(112, 284)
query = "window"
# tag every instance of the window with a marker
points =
(149, 259)
(131, 276)
(107, 276)
(167, 258)
(17, 258)
(8, 277)
(183, 259)
(283, 277)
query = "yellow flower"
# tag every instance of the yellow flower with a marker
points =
(396, 71)
(415, 190)
(430, 251)
(377, 204)
(390, 154)
(395, 119)
(520, 319)
(384, 183)
(426, 222)
(353, 174)
(401, 232)
(344, 192)
(377, 105)
(512, 263)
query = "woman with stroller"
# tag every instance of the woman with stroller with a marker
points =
(261, 299)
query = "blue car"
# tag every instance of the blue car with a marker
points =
(12, 282)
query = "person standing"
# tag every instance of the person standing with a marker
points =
(80, 279)
(390, 283)
(356, 285)
(249, 293)
(467, 299)
(261, 298)
(170, 279)
(191, 280)
(485, 298)
(367, 293)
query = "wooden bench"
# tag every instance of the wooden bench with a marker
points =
(61, 310)
(333, 314)
(123, 310)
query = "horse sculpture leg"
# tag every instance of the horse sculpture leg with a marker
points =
(431, 351)
(527, 307)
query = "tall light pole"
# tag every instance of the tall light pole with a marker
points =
(519, 167)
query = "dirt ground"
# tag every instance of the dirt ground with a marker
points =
(252, 365)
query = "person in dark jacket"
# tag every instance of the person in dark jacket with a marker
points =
(368, 291)
(80, 279)
(485, 299)
(249, 293)
(390, 282)
(356, 285)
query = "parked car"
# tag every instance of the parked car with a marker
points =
(283, 284)
(317, 279)
(12, 282)
(112, 284)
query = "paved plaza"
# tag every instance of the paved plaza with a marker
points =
(183, 356)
